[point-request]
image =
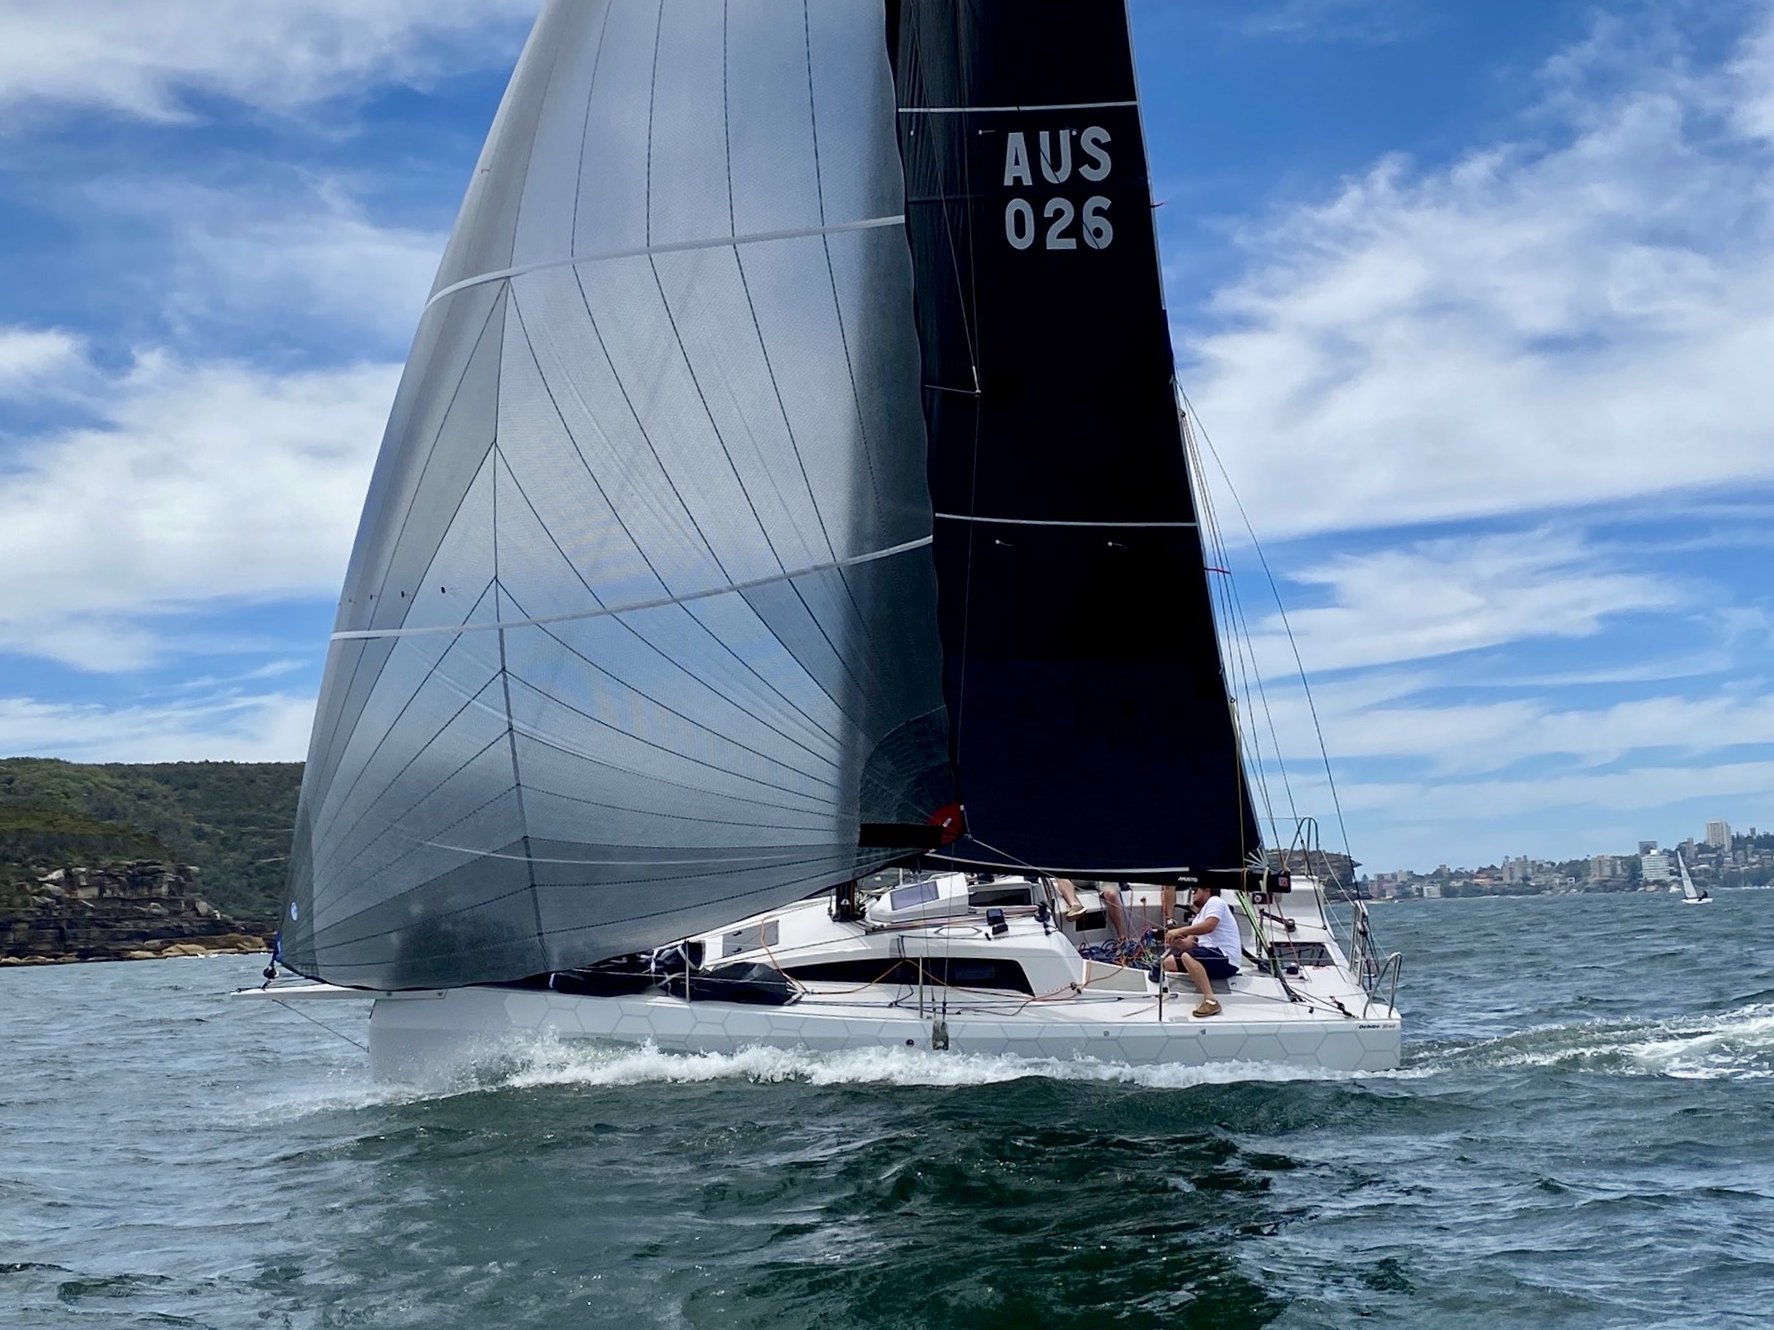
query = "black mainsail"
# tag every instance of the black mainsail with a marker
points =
(649, 623)
(1089, 718)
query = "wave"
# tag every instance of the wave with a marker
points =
(582, 1064)
(1731, 1045)
(543, 1062)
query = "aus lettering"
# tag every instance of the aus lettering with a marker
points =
(1058, 155)
(1053, 151)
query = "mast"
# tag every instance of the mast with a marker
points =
(639, 629)
(1090, 725)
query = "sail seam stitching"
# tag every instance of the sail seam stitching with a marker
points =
(632, 607)
(667, 247)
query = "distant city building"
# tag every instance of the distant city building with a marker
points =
(1719, 834)
(1601, 868)
(1654, 867)
(1647, 847)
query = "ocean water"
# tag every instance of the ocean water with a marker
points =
(1582, 1135)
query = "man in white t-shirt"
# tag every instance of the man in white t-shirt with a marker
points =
(1207, 947)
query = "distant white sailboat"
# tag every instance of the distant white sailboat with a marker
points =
(1691, 895)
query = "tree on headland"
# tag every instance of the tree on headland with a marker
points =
(230, 820)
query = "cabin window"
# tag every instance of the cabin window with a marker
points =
(939, 972)
(988, 894)
(1301, 953)
(904, 898)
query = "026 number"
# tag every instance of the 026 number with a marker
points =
(1060, 214)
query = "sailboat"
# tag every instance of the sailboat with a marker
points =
(781, 578)
(1691, 895)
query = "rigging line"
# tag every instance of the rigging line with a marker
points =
(322, 1024)
(1275, 590)
(1237, 627)
(914, 73)
(665, 247)
(1054, 871)
(633, 607)
(1249, 672)
(1227, 597)
(971, 322)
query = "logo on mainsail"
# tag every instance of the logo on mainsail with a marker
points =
(1056, 158)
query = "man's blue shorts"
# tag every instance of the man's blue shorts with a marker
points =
(1214, 961)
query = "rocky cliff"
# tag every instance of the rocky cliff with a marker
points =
(128, 911)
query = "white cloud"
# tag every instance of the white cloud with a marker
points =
(200, 485)
(1481, 737)
(149, 59)
(1441, 597)
(1531, 327)
(1364, 22)
(283, 254)
(35, 361)
(1638, 790)
(270, 727)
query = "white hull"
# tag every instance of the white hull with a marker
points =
(1315, 1017)
(422, 1040)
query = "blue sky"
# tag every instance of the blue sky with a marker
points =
(1475, 303)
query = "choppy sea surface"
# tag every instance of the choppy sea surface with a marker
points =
(1582, 1135)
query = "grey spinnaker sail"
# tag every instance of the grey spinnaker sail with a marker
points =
(639, 628)
(1089, 714)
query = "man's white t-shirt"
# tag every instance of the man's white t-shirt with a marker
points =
(1225, 930)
